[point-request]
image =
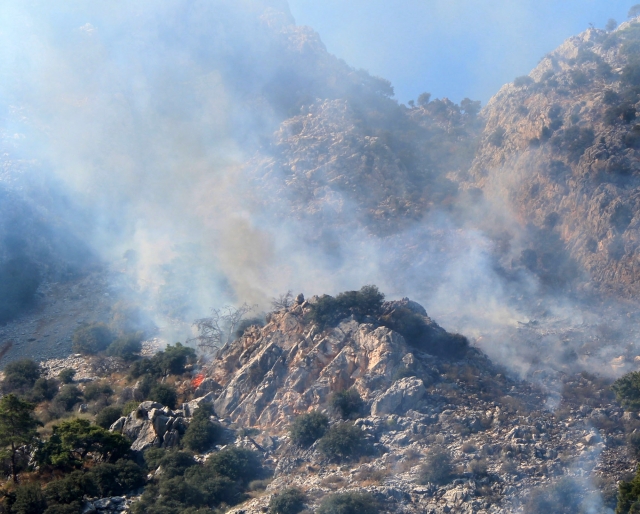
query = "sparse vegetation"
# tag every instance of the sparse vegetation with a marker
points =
(437, 467)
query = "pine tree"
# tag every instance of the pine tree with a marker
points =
(17, 428)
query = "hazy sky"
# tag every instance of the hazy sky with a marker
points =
(453, 48)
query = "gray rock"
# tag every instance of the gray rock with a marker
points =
(403, 395)
(102, 503)
(146, 438)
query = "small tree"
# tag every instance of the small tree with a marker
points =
(17, 429)
(611, 25)
(308, 428)
(343, 441)
(202, 433)
(634, 11)
(217, 331)
(20, 375)
(66, 375)
(284, 301)
(164, 394)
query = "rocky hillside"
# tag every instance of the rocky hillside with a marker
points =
(506, 446)
(561, 146)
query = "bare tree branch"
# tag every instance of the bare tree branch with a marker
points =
(217, 331)
(284, 301)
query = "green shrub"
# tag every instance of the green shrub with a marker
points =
(308, 428)
(437, 467)
(418, 333)
(43, 389)
(126, 347)
(171, 361)
(70, 489)
(20, 375)
(173, 462)
(117, 479)
(238, 464)
(66, 375)
(91, 338)
(108, 416)
(29, 499)
(627, 389)
(73, 442)
(164, 394)
(343, 441)
(68, 396)
(349, 503)
(95, 390)
(202, 434)
(329, 311)
(129, 407)
(289, 501)
(346, 403)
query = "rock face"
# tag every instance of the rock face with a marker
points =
(153, 424)
(503, 437)
(287, 368)
(562, 147)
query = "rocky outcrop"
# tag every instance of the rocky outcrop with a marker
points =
(153, 424)
(287, 368)
(560, 147)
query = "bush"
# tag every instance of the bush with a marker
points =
(289, 501)
(346, 403)
(173, 359)
(437, 467)
(126, 347)
(66, 375)
(91, 339)
(245, 324)
(68, 396)
(95, 390)
(108, 416)
(329, 311)
(238, 464)
(423, 336)
(497, 137)
(202, 434)
(627, 389)
(164, 394)
(43, 389)
(349, 503)
(72, 442)
(20, 375)
(174, 463)
(117, 479)
(70, 490)
(424, 99)
(29, 499)
(308, 428)
(343, 441)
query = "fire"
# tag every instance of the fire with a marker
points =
(198, 380)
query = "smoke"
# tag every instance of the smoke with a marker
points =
(152, 133)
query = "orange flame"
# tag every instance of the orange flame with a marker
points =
(198, 380)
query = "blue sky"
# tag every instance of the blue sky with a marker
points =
(453, 48)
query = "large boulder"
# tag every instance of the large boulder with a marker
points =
(403, 395)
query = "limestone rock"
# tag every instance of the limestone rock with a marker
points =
(403, 395)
